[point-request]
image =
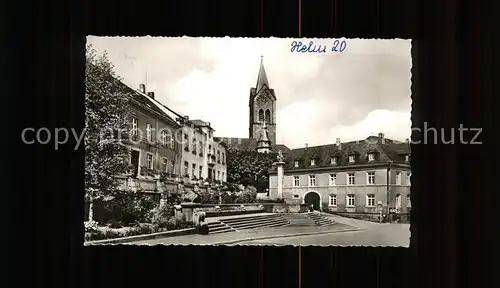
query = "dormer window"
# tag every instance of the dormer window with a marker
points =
(371, 156)
(333, 160)
(296, 163)
(352, 158)
(313, 162)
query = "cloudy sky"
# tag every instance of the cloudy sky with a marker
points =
(350, 95)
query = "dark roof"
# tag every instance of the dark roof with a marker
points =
(249, 144)
(240, 143)
(285, 150)
(385, 152)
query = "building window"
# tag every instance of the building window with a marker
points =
(200, 172)
(135, 123)
(313, 162)
(371, 157)
(193, 145)
(312, 180)
(350, 179)
(296, 196)
(333, 179)
(150, 160)
(164, 140)
(333, 160)
(370, 200)
(371, 178)
(218, 156)
(218, 175)
(351, 158)
(201, 148)
(296, 181)
(268, 116)
(172, 167)
(223, 177)
(398, 201)
(408, 179)
(296, 164)
(350, 200)
(186, 168)
(332, 200)
(223, 158)
(193, 170)
(408, 200)
(149, 134)
(261, 115)
(186, 142)
(209, 148)
(166, 164)
(398, 178)
(171, 139)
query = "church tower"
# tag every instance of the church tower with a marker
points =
(262, 107)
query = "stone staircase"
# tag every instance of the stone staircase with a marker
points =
(299, 219)
(243, 223)
(319, 219)
(219, 227)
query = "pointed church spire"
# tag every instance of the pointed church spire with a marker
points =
(262, 78)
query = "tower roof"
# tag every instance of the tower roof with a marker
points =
(262, 78)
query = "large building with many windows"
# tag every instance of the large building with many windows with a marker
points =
(163, 140)
(355, 177)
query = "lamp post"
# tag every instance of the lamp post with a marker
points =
(379, 203)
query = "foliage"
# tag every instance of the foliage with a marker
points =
(248, 196)
(91, 226)
(207, 198)
(249, 168)
(105, 121)
(129, 208)
(161, 215)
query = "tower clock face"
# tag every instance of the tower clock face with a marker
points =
(264, 97)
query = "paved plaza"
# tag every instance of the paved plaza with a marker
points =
(345, 232)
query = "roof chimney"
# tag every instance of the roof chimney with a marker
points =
(338, 144)
(151, 94)
(142, 88)
(381, 136)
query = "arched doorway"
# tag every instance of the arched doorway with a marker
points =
(313, 197)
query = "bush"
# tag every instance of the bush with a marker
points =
(246, 197)
(207, 198)
(161, 215)
(270, 200)
(91, 226)
(129, 209)
(115, 224)
(176, 224)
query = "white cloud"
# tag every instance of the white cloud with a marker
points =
(361, 92)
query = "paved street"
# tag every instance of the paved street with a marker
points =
(385, 235)
(346, 232)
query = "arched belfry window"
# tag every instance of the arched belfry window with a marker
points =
(261, 115)
(268, 116)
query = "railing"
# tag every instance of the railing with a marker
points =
(136, 184)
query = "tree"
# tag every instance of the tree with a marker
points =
(249, 168)
(105, 118)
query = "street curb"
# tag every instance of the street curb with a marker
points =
(283, 236)
(180, 232)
